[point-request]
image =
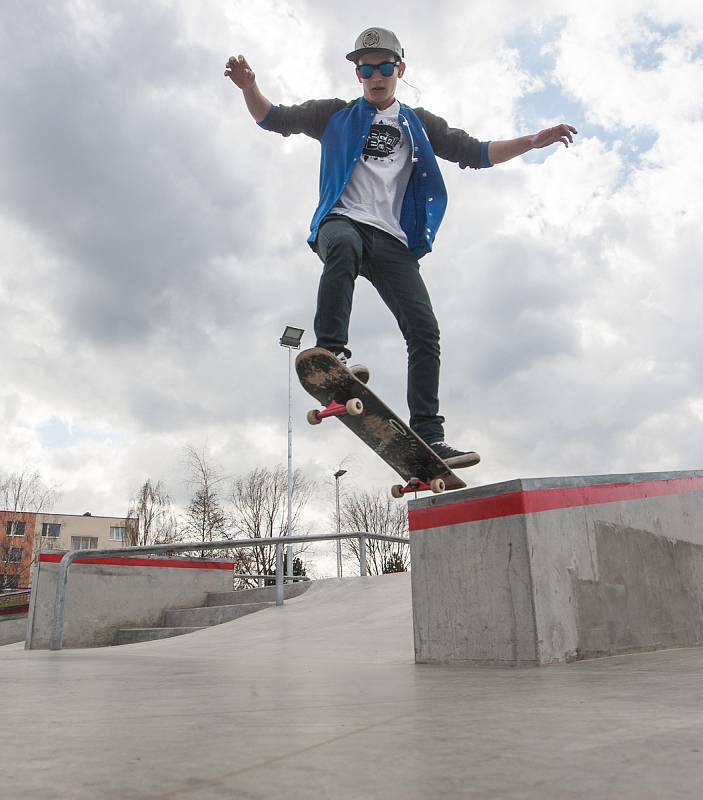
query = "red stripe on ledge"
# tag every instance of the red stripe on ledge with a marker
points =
(6, 612)
(54, 558)
(538, 500)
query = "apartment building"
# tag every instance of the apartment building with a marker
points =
(24, 534)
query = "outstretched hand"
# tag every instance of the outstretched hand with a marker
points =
(559, 133)
(239, 72)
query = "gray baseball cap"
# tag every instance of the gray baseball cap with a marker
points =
(374, 39)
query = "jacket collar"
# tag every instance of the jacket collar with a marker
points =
(366, 106)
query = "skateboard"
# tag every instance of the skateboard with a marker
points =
(356, 406)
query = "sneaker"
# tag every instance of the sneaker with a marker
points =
(359, 371)
(455, 458)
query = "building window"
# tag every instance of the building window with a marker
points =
(117, 534)
(9, 581)
(84, 542)
(14, 527)
(13, 555)
(51, 529)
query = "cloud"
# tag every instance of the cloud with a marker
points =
(154, 239)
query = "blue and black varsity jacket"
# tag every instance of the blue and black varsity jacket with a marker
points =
(342, 129)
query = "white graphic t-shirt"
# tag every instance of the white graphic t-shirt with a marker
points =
(374, 194)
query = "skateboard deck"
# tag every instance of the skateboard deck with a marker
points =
(324, 377)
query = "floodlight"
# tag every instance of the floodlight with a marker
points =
(291, 337)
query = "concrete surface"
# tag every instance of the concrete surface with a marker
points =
(219, 607)
(553, 570)
(132, 635)
(14, 606)
(13, 628)
(114, 593)
(322, 699)
(211, 615)
(262, 595)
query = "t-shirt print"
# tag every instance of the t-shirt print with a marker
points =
(376, 188)
(382, 142)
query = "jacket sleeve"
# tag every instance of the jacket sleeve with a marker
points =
(309, 117)
(452, 144)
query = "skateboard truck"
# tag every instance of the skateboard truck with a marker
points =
(436, 486)
(353, 407)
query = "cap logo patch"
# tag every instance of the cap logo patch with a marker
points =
(371, 39)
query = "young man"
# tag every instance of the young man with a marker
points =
(382, 199)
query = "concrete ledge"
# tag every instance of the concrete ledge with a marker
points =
(134, 635)
(107, 594)
(262, 595)
(13, 628)
(210, 615)
(534, 572)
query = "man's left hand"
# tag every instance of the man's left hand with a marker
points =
(559, 133)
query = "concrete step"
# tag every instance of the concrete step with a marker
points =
(132, 635)
(210, 615)
(221, 607)
(265, 595)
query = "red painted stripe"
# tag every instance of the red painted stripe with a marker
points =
(5, 612)
(539, 500)
(54, 558)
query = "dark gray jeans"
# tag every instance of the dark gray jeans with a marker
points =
(349, 249)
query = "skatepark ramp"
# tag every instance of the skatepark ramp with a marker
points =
(526, 572)
(542, 571)
(114, 590)
(220, 607)
(321, 698)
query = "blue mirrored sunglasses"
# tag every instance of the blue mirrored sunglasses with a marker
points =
(386, 69)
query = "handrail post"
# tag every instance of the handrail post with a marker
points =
(60, 602)
(279, 574)
(362, 556)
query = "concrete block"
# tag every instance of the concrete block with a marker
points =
(108, 594)
(263, 595)
(210, 615)
(542, 571)
(134, 635)
(13, 628)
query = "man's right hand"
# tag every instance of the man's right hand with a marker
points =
(240, 73)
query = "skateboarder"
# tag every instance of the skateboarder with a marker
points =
(382, 199)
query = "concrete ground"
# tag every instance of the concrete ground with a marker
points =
(321, 699)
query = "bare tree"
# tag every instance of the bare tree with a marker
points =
(259, 505)
(26, 491)
(376, 513)
(150, 518)
(205, 519)
(22, 495)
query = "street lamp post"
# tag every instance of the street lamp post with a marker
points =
(337, 475)
(291, 340)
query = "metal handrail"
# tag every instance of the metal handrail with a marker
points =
(234, 544)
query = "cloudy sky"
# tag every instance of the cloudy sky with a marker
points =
(153, 239)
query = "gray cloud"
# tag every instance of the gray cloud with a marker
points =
(154, 237)
(113, 167)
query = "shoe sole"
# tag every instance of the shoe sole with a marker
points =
(466, 460)
(362, 375)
